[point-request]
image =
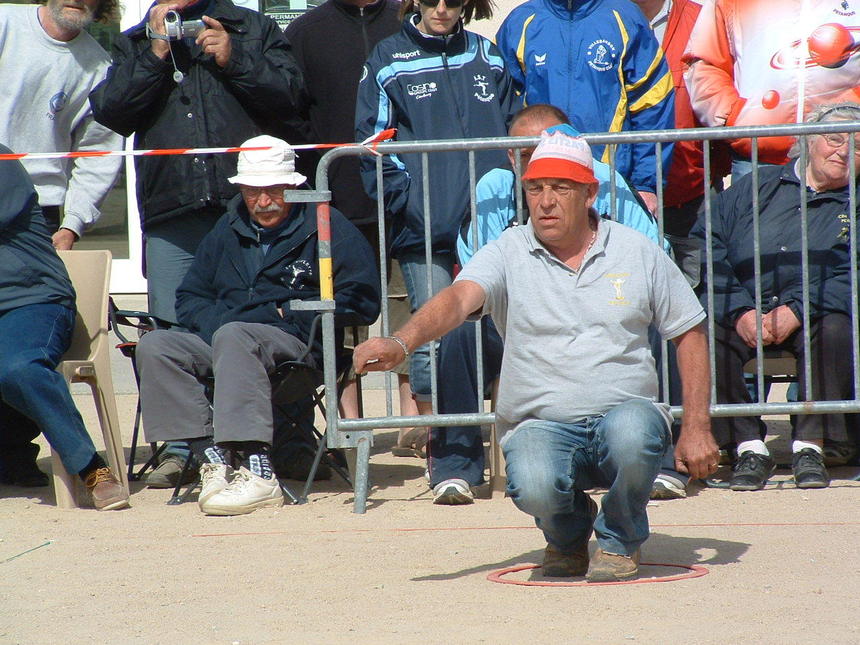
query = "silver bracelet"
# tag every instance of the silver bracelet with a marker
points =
(402, 344)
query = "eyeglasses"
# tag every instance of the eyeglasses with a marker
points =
(272, 191)
(536, 189)
(451, 4)
(836, 140)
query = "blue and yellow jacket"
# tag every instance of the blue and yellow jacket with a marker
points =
(432, 87)
(598, 61)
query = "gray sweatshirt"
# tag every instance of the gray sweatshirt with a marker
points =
(44, 108)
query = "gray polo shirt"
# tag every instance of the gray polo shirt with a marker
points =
(576, 342)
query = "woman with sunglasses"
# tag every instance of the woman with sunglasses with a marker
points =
(432, 80)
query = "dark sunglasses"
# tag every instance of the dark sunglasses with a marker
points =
(451, 4)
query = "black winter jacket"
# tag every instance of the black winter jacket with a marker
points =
(331, 74)
(780, 239)
(219, 287)
(432, 87)
(258, 92)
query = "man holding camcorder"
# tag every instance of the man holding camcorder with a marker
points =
(193, 74)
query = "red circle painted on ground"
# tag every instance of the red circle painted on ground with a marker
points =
(692, 571)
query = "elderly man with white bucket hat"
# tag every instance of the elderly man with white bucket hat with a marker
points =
(573, 296)
(237, 326)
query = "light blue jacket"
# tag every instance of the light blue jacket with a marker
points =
(496, 209)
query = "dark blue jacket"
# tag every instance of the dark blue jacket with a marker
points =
(432, 87)
(220, 286)
(780, 240)
(31, 272)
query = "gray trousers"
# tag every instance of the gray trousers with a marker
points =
(174, 367)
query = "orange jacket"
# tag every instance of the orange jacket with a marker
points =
(686, 175)
(747, 59)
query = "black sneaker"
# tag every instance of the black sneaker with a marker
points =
(25, 474)
(808, 468)
(751, 471)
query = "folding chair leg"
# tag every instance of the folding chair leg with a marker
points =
(176, 498)
(289, 493)
(133, 451)
(150, 463)
(310, 480)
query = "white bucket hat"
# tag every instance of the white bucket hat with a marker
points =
(271, 167)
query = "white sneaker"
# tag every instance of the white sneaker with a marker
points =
(666, 487)
(213, 479)
(453, 492)
(245, 494)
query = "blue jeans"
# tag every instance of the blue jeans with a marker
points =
(551, 464)
(33, 340)
(414, 268)
(457, 452)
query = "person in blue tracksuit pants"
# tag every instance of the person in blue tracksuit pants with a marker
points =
(432, 80)
(456, 453)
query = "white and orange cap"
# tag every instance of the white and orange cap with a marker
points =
(561, 156)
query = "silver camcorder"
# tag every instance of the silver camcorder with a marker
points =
(176, 29)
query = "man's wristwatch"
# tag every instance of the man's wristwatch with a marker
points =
(402, 344)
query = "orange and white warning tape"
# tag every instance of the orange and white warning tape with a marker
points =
(370, 143)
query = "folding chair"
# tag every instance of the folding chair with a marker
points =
(87, 361)
(292, 381)
(141, 322)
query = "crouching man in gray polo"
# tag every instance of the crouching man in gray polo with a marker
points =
(573, 295)
(235, 305)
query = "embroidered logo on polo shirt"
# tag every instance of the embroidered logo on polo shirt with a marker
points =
(617, 281)
(540, 59)
(481, 84)
(601, 55)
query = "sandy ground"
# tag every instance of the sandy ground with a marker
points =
(782, 567)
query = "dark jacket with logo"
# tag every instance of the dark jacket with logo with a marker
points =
(780, 238)
(432, 87)
(221, 286)
(331, 74)
(258, 92)
(31, 272)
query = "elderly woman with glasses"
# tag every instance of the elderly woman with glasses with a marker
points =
(432, 80)
(822, 180)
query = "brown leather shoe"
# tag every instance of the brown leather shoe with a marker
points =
(560, 564)
(610, 567)
(106, 490)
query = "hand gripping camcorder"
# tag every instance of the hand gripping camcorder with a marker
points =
(176, 29)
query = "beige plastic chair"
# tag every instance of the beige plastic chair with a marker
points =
(498, 480)
(88, 361)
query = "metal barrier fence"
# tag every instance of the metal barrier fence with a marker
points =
(356, 434)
